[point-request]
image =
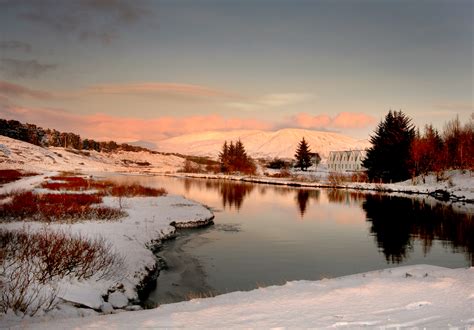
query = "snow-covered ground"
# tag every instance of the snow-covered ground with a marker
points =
(419, 296)
(148, 221)
(21, 155)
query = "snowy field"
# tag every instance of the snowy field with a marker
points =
(405, 297)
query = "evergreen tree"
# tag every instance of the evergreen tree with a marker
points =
(303, 158)
(389, 157)
(234, 158)
(224, 157)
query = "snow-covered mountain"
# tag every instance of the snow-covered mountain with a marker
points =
(265, 144)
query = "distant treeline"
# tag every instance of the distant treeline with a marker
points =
(52, 138)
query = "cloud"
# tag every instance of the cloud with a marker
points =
(274, 100)
(97, 20)
(157, 88)
(13, 90)
(343, 120)
(104, 127)
(15, 45)
(24, 68)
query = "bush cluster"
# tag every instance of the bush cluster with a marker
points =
(32, 263)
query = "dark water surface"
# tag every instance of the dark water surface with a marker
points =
(265, 235)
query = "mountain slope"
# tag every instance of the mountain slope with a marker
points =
(265, 144)
(22, 155)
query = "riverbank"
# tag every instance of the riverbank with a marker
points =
(455, 186)
(148, 221)
(410, 296)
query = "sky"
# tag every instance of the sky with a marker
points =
(152, 69)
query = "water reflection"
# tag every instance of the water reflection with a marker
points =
(397, 222)
(345, 197)
(232, 194)
(302, 199)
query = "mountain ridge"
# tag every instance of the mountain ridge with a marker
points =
(261, 144)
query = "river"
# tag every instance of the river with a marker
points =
(267, 235)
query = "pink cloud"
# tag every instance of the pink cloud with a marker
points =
(122, 129)
(14, 90)
(343, 120)
(157, 88)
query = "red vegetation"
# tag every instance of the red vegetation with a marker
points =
(134, 189)
(105, 188)
(7, 176)
(56, 207)
(31, 262)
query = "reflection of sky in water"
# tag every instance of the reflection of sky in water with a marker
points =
(289, 234)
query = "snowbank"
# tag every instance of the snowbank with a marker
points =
(411, 296)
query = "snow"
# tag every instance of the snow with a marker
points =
(21, 155)
(410, 296)
(261, 144)
(148, 220)
(118, 300)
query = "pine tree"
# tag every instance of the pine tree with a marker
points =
(303, 158)
(224, 157)
(234, 158)
(389, 157)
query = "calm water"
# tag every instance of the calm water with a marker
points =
(265, 235)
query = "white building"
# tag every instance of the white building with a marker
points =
(347, 160)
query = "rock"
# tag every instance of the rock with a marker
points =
(133, 308)
(118, 299)
(106, 308)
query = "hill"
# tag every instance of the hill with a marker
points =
(22, 155)
(261, 144)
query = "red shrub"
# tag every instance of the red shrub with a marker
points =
(57, 207)
(12, 175)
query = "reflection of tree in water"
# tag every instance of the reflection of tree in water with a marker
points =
(302, 198)
(397, 222)
(344, 196)
(233, 194)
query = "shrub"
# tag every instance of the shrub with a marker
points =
(337, 178)
(56, 207)
(32, 262)
(7, 176)
(190, 167)
(134, 190)
(283, 173)
(103, 186)
(278, 163)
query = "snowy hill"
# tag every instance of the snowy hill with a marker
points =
(265, 144)
(22, 155)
